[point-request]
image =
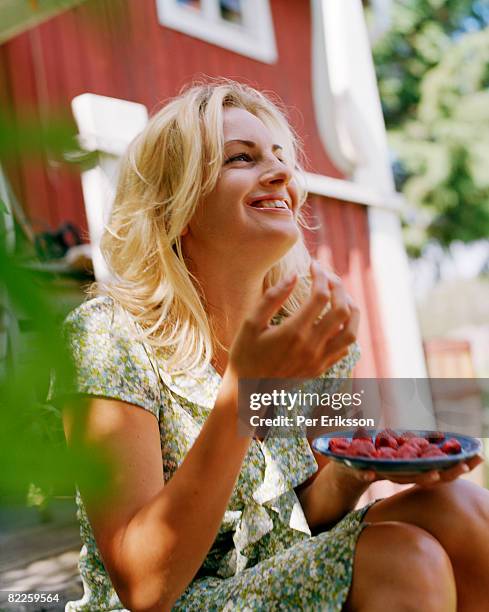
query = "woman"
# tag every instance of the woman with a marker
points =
(206, 250)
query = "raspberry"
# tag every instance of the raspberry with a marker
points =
(362, 448)
(421, 443)
(405, 437)
(452, 447)
(432, 450)
(339, 445)
(435, 436)
(407, 451)
(386, 452)
(388, 444)
(384, 439)
(362, 434)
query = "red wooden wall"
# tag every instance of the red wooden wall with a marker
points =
(124, 52)
(341, 243)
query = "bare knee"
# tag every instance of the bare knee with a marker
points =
(401, 567)
(463, 501)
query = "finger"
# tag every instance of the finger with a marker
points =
(346, 336)
(422, 479)
(427, 479)
(337, 317)
(368, 475)
(352, 306)
(318, 300)
(473, 462)
(269, 305)
(454, 472)
(393, 478)
(339, 296)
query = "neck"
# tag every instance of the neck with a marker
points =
(231, 293)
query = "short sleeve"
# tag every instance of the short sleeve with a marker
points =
(107, 361)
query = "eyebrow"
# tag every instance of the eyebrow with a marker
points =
(251, 144)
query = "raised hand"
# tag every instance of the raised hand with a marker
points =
(306, 343)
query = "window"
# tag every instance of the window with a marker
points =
(231, 11)
(243, 26)
(193, 4)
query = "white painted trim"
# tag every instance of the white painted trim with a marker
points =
(346, 98)
(255, 38)
(348, 191)
(327, 107)
(98, 185)
(395, 295)
(107, 126)
(353, 132)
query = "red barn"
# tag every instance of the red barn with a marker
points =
(314, 54)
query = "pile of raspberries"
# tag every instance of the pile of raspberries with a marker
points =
(387, 444)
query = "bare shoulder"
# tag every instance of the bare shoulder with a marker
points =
(128, 438)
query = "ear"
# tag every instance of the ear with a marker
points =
(184, 232)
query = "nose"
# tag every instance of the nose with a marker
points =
(276, 173)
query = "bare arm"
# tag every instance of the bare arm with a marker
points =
(153, 538)
(329, 497)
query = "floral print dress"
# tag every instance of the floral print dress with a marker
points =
(264, 556)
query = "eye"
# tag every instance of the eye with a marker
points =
(281, 157)
(239, 157)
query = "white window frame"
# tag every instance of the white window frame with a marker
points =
(255, 38)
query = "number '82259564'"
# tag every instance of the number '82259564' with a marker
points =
(19, 597)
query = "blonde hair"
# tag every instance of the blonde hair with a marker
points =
(167, 169)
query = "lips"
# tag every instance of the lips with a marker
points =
(271, 202)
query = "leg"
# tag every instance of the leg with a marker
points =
(400, 567)
(391, 567)
(457, 515)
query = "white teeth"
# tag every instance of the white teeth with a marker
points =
(271, 204)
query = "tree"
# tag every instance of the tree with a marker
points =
(436, 105)
(422, 32)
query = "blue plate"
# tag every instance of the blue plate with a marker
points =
(470, 448)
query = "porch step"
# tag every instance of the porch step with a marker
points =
(56, 575)
(37, 560)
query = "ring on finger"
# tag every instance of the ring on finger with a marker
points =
(323, 312)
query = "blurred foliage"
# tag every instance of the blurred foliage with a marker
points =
(33, 454)
(433, 71)
(32, 445)
(29, 136)
(421, 33)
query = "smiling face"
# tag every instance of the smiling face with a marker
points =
(251, 212)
